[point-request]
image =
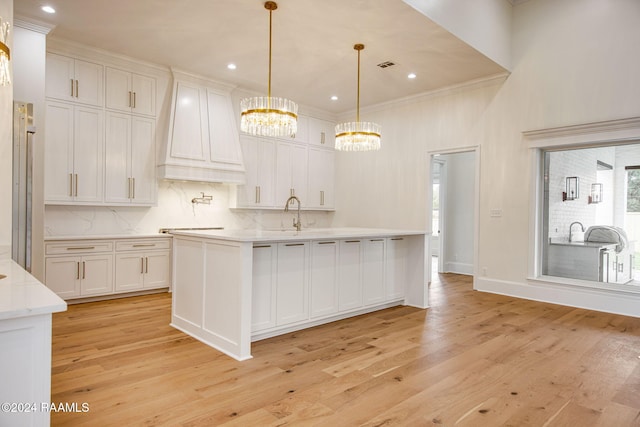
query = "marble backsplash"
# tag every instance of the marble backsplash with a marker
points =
(174, 209)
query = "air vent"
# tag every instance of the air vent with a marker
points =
(386, 64)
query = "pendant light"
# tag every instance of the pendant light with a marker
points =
(358, 136)
(5, 54)
(266, 115)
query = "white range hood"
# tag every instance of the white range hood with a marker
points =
(202, 142)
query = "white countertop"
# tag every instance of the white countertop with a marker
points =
(106, 237)
(23, 295)
(293, 235)
(566, 242)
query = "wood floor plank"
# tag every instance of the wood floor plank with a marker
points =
(471, 359)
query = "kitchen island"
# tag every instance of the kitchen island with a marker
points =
(26, 306)
(232, 287)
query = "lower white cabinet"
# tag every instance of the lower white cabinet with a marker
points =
(396, 267)
(292, 303)
(140, 264)
(350, 275)
(80, 276)
(323, 282)
(373, 271)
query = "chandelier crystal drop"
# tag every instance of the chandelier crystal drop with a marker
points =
(5, 54)
(358, 136)
(267, 115)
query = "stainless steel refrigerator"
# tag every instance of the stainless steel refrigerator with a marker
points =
(23, 133)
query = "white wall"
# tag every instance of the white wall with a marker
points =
(6, 120)
(575, 61)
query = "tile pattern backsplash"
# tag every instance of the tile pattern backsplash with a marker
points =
(174, 209)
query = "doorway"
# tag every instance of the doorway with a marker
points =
(453, 189)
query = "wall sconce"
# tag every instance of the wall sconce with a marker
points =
(596, 193)
(5, 55)
(572, 191)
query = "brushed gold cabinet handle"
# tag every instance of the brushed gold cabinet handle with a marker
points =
(130, 104)
(321, 198)
(261, 246)
(141, 265)
(81, 248)
(84, 269)
(78, 270)
(134, 100)
(77, 91)
(144, 245)
(146, 268)
(71, 88)
(76, 185)
(133, 188)
(70, 185)
(322, 137)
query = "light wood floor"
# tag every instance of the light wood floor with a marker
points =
(472, 359)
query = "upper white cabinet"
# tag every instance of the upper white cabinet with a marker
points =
(291, 172)
(74, 154)
(130, 176)
(203, 143)
(322, 133)
(260, 160)
(130, 92)
(321, 179)
(71, 79)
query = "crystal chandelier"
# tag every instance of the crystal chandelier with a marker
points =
(266, 115)
(358, 136)
(5, 55)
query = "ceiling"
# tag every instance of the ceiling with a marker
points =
(313, 55)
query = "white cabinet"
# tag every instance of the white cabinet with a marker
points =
(130, 92)
(396, 267)
(74, 153)
(142, 264)
(350, 275)
(322, 133)
(373, 271)
(70, 79)
(321, 179)
(203, 140)
(260, 158)
(80, 276)
(324, 278)
(83, 268)
(263, 306)
(292, 303)
(291, 172)
(130, 159)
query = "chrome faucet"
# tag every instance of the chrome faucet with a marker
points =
(571, 226)
(296, 223)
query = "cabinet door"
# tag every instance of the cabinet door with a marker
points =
(324, 278)
(291, 295)
(129, 272)
(373, 271)
(248, 192)
(350, 275)
(223, 135)
(58, 149)
(189, 123)
(60, 78)
(291, 172)
(321, 132)
(263, 292)
(97, 275)
(157, 271)
(396, 273)
(266, 172)
(321, 178)
(88, 154)
(119, 94)
(89, 83)
(144, 94)
(118, 159)
(62, 276)
(143, 161)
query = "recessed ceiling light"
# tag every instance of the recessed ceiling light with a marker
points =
(334, 98)
(412, 75)
(48, 9)
(231, 66)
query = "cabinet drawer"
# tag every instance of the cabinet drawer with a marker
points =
(78, 247)
(143, 245)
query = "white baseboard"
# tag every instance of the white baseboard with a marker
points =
(609, 301)
(458, 268)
